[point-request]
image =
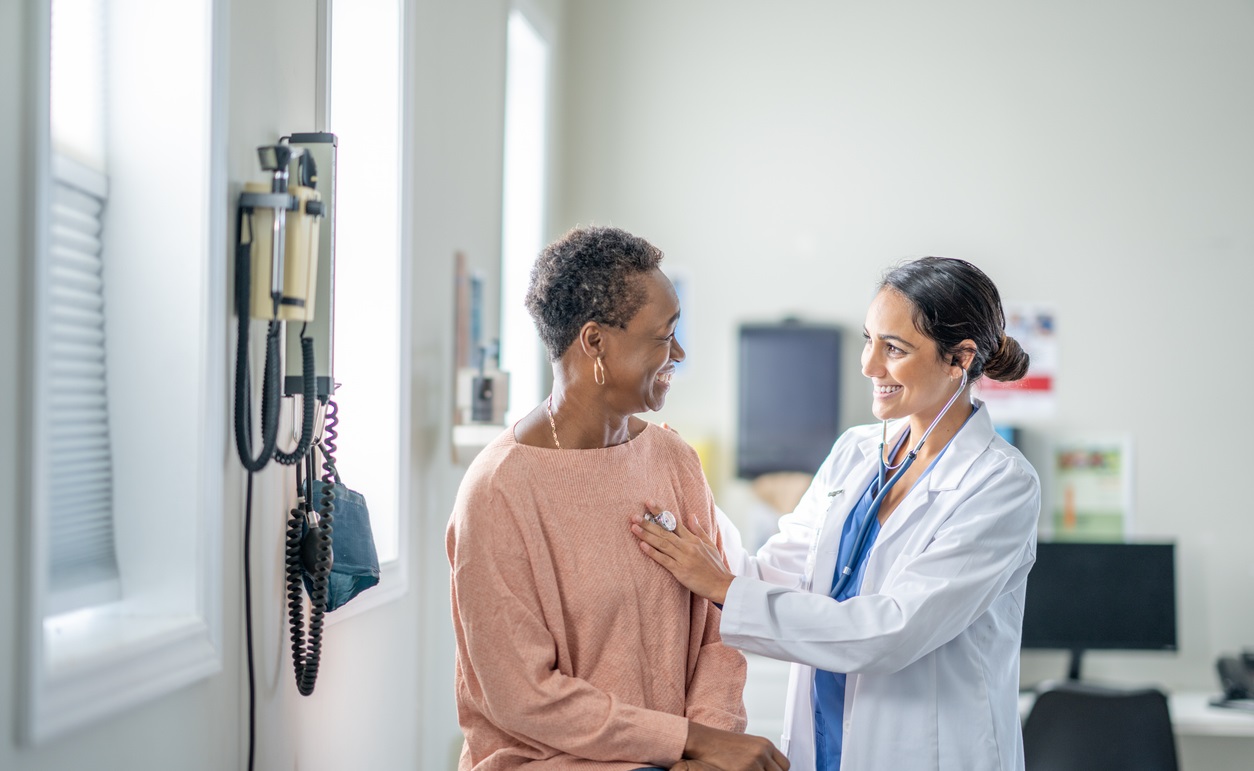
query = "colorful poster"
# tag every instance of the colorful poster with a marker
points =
(1033, 396)
(1092, 490)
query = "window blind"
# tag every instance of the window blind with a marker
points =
(83, 564)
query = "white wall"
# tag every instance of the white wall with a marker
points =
(384, 697)
(1092, 156)
(458, 141)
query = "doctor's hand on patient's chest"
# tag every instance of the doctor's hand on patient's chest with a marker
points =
(691, 556)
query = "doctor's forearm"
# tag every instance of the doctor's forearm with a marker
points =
(863, 634)
(815, 630)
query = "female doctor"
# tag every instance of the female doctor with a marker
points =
(896, 586)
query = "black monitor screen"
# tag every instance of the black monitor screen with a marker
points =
(1101, 596)
(789, 401)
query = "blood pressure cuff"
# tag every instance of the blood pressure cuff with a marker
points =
(355, 563)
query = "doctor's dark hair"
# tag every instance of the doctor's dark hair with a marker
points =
(589, 274)
(954, 301)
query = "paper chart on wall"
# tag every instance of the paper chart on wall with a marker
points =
(1033, 396)
(1092, 489)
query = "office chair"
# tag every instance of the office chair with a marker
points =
(1077, 727)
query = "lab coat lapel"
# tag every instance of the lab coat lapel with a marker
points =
(965, 447)
(852, 486)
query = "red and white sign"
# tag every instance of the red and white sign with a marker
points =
(1033, 396)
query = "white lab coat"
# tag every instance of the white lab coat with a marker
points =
(931, 643)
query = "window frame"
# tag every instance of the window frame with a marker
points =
(90, 664)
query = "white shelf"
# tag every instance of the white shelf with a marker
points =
(470, 438)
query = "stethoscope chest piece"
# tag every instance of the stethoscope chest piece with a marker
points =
(665, 520)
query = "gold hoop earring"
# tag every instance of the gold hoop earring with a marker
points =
(598, 371)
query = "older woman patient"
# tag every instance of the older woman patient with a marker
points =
(572, 652)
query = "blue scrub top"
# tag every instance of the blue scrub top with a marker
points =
(828, 691)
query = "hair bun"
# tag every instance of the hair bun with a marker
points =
(1009, 362)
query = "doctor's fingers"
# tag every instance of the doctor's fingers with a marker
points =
(681, 524)
(660, 557)
(654, 535)
(683, 544)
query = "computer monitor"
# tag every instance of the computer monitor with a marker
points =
(1109, 596)
(789, 399)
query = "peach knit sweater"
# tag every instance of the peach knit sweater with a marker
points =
(574, 649)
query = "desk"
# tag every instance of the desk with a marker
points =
(1191, 712)
(1191, 715)
(1208, 738)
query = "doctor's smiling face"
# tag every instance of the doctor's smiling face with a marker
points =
(908, 375)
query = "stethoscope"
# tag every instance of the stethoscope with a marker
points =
(846, 572)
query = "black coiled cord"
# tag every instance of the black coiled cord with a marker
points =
(269, 383)
(309, 384)
(312, 551)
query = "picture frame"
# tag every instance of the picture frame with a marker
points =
(1091, 484)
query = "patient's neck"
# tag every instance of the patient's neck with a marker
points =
(586, 421)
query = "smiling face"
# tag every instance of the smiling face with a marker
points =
(640, 359)
(908, 375)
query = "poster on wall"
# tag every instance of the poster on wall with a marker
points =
(1092, 489)
(1032, 397)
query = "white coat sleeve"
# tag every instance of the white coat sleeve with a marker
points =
(927, 603)
(739, 560)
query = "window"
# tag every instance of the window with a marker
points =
(83, 568)
(364, 111)
(126, 421)
(526, 106)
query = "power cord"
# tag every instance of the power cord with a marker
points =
(248, 621)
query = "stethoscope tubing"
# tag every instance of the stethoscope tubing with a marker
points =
(846, 572)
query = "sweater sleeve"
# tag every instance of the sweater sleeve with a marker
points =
(508, 656)
(716, 690)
